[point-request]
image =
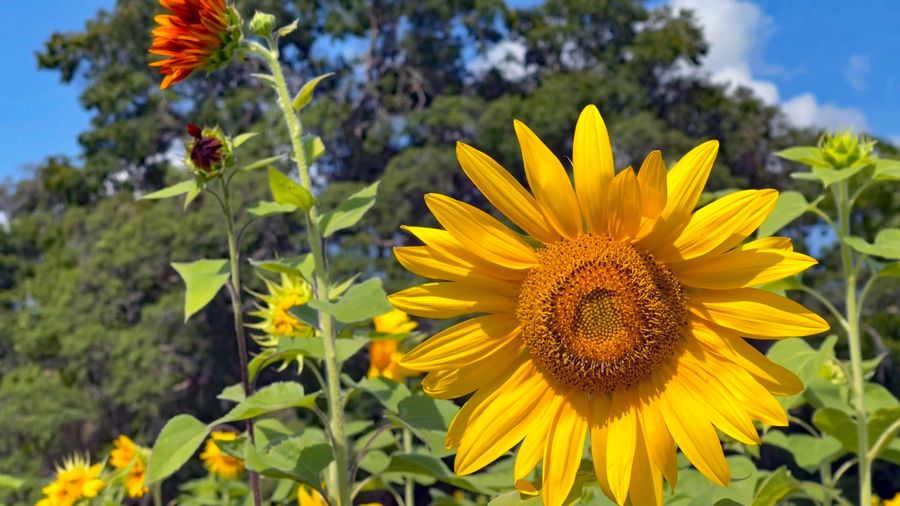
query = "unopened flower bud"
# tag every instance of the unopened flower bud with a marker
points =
(209, 152)
(843, 149)
(262, 24)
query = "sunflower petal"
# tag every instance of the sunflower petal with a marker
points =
(430, 263)
(505, 193)
(622, 428)
(593, 167)
(652, 181)
(450, 299)
(646, 482)
(565, 444)
(453, 383)
(444, 244)
(599, 415)
(660, 445)
(530, 453)
(722, 409)
(755, 313)
(464, 343)
(741, 268)
(549, 182)
(625, 205)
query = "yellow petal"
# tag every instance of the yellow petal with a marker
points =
(720, 226)
(501, 420)
(646, 482)
(450, 299)
(464, 343)
(624, 205)
(660, 445)
(453, 383)
(565, 445)
(755, 313)
(505, 193)
(599, 415)
(773, 377)
(530, 453)
(652, 181)
(430, 263)
(694, 434)
(592, 161)
(740, 268)
(782, 243)
(480, 232)
(549, 182)
(444, 244)
(755, 399)
(620, 442)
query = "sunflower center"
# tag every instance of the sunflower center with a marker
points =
(599, 314)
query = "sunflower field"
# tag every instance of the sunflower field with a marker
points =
(338, 252)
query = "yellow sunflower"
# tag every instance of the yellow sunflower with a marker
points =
(216, 461)
(127, 455)
(384, 354)
(306, 496)
(276, 320)
(618, 315)
(77, 479)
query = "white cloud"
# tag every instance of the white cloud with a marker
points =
(735, 31)
(856, 71)
(507, 57)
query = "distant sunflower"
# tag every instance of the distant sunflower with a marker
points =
(306, 496)
(276, 320)
(127, 455)
(198, 34)
(77, 479)
(618, 315)
(384, 354)
(216, 461)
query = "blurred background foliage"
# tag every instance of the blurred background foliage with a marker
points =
(92, 342)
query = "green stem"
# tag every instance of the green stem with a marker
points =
(338, 482)
(886, 437)
(157, 494)
(854, 338)
(237, 309)
(409, 496)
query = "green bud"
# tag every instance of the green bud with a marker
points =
(262, 24)
(844, 149)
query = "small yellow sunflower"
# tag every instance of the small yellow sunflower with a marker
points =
(216, 461)
(306, 496)
(618, 316)
(276, 321)
(384, 355)
(127, 455)
(77, 479)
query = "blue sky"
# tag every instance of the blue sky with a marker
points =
(828, 63)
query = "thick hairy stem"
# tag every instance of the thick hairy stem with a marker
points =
(236, 306)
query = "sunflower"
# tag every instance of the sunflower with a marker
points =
(384, 355)
(618, 315)
(75, 480)
(276, 321)
(127, 455)
(306, 496)
(219, 463)
(198, 34)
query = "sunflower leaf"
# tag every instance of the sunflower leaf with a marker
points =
(259, 164)
(301, 266)
(286, 191)
(304, 96)
(265, 208)
(350, 212)
(242, 138)
(886, 245)
(809, 155)
(887, 170)
(202, 280)
(178, 440)
(271, 398)
(361, 302)
(790, 206)
(171, 191)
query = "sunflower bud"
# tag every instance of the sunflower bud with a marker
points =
(262, 24)
(209, 151)
(844, 149)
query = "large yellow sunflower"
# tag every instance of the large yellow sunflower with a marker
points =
(617, 315)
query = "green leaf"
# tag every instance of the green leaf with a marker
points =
(891, 270)
(809, 452)
(335, 291)
(886, 245)
(776, 487)
(259, 164)
(790, 206)
(287, 29)
(429, 420)
(350, 212)
(191, 195)
(361, 302)
(301, 266)
(285, 191)
(265, 208)
(809, 155)
(178, 440)
(299, 458)
(270, 398)
(426, 465)
(389, 393)
(313, 148)
(887, 170)
(233, 393)
(242, 138)
(829, 176)
(171, 191)
(315, 348)
(879, 422)
(10, 482)
(878, 398)
(202, 280)
(304, 96)
(808, 364)
(268, 357)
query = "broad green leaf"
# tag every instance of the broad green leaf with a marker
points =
(809, 155)
(270, 398)
(191, 195)
(389, 393)
(315, 348)
(776, 487)
(171, 191)
(891, 270)
(350, 212)
(242, 138)
(375, 461)
(286, 30)
(299, 458)
(304, 96)
(259, 164)
(202, 280)
(178, 440)
(313, 148)
(10, 482)
(335, 291)
(427, 465)
(301, 266)
(809, 452)
(286, 191)
(886, 245)
(808, 364)
(887, 170)
(233, 393)
(265, 208)
(429, 420)
(268, 357)
(879, 422)
(790, 206)
(877, 398)
(828, 176)
(361, 302)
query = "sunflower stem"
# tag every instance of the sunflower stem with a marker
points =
(409, 492)
(237, 309)
(854, 338)
(338, 473)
